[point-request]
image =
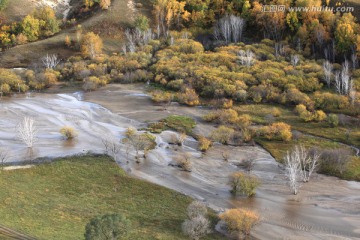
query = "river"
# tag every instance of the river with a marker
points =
(325, 208)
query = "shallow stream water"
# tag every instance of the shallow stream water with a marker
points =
(326, 208)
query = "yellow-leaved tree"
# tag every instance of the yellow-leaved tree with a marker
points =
(346, 33)
(91, 45)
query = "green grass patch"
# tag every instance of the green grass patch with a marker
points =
(258, 113)
(56, 200)
(278, 150)
(353, 171)
(175, 122)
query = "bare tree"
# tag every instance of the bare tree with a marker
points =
(183, 161)
(195, 209)
(124, 49)
(295, 60)
(158, 31)
(292, 165)
(242, 57)
(171, 40)
(326, 54)
(354, 60)
(229, 28)
(237, 26)
(279, 49)
(309, 161)
(337, 81)
(328, 68)
(27, 131)
(185, 35)
(4, 155)
(352, 93)
(137, 37)
(343, 82)
(50, 61)
(300, 164)
(131, 40)
(111, 145)
(196, 227)
(138, 141)
(249, 164)
(345, 78)
(225, 155)
(247, 57)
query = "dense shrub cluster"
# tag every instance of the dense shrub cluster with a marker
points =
(277, 131)
(312, 32)
(308, 116)
(220, 74)
(42, 23)
(11, 82)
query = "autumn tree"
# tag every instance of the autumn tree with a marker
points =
(346, 33)
(91, 45)
(49, 24)
(243, 183)
(169, 13)
(272, 23)
(30, 27)
(293, 21)
(240, 220)
(67, 41)
(278, 130)
(308, 16)
(11, 82)
(141, 22)
(104, 4)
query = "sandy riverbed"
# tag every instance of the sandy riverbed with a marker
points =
(326, 208)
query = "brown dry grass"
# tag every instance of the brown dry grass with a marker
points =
(108, 23)
(15, 10)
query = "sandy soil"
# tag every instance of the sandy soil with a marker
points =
(326, 208)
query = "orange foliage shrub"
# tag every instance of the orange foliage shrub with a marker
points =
(278, 130)
(189, 97)
(240, 220)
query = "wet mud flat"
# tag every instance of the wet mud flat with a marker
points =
(325, 208)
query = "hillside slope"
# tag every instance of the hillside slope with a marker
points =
(106, 23)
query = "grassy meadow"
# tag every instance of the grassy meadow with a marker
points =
(56, 200)
(310, 134)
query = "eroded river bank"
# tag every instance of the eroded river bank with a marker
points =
(326, 208)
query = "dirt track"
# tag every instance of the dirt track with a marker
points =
(7, 233)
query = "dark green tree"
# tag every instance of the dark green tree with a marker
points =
(107, 227)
